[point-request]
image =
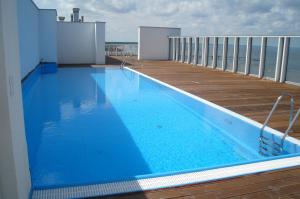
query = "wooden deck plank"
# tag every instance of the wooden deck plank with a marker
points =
(246, 95)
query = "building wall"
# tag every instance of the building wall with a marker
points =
(100, 42)
(153, 42)
(28, 24)
(37, 35)
(78, 43)
(48, 35)
(14, 167)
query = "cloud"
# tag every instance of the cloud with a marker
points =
(195, 17)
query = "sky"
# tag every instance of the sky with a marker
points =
(195, 17)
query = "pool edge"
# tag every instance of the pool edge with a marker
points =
(165, 181)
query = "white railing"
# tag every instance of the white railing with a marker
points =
(121, 49)
(270, 57)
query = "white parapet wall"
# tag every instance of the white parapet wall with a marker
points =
(81, 43)
(37, 35)
(153, 42)
(28, 24)
(48, 35)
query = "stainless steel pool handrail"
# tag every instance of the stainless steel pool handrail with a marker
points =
(123, 63)
(290, 126)
(264, 142)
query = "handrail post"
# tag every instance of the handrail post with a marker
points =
(215, 52)
(224, 54)
(262, 57)
(248, 55)
(235, 54)
(279, 58)
(183, 50)
(196, 51)
(284, 59)
(189, 50)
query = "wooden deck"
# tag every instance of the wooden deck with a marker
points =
(249, 96)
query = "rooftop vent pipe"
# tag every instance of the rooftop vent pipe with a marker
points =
(76, 14)
(61, 18)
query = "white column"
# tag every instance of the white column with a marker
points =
(262, 57)
(174, 49)
(224, 57)
(177, 48)
(190, 50)
(14, 167)
(215, 52)
(183, 49)
(279, 58)
(196, 51)
(235, 54)
(205, 51)
(100, 42)
(284, 59)
(248, 55)
(202, 51)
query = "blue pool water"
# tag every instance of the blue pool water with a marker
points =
(87, 125)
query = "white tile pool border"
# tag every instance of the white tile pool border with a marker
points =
(173, 180)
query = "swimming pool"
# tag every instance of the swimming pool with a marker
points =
(98, 131)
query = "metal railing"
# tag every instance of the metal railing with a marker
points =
(266, 144)
(121, 48)
(270, 57)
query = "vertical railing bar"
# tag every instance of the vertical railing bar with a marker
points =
(224, 54)
(235, 54)
(206, 48)
(190, 50)
(202, 51)
(248, 55)
(170, 48)
(262, 57)
(279, 58)
(196, 51)
(215, 50)
(174, 48)
(183, 50)
(177, 48)
(284, 59)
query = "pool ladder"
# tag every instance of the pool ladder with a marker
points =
(269, 147)
(123, 63)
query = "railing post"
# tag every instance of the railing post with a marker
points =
(284, 59)
(262, 57)
(224, 54)
(215, 52)
(202, 51)
(170, 48)
(279, 58)
(196, 51)
(177, 48)
(183, 49)
(189, 50)
(205, 53)
(248, 55)
(235, 54)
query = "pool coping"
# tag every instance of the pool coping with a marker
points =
(180, 179)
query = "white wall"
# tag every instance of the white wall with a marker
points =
(48, 35)
(28, 20)
(100, 42)
(14, 167)
(153, 42)
(37, 35)
(77, 43)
